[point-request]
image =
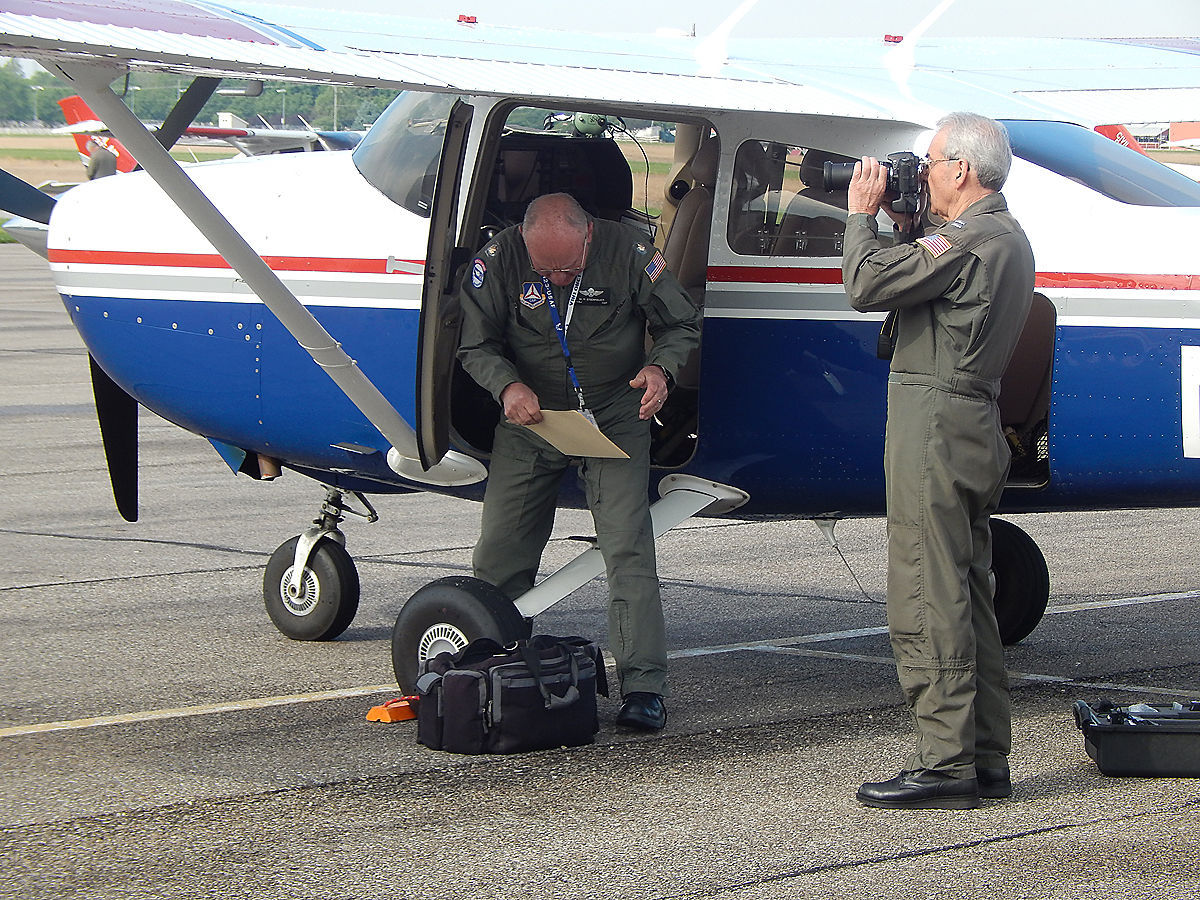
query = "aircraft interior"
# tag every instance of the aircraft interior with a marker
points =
(579, 155)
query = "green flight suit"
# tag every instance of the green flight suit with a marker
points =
(962, 293)
(508, 336)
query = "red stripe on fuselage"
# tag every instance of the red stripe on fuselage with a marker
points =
(215, 261)
(716, 274)
(820, 275)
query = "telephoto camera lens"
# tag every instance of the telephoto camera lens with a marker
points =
(837, 176)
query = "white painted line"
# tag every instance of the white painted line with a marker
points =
(1125, 601)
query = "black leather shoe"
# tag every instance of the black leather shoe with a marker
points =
(994, 784)
(921, 790)
(643, 711)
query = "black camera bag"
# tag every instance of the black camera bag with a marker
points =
(493, 699)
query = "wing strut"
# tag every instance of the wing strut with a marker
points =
(185, 110)
(92, 83)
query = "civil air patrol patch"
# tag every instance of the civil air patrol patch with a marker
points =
(478, 273)
(532, 294)
(641, 248)
(656, 266)
(936, 244)
(491, 250)
(593, 296)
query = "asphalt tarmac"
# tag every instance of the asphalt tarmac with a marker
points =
(160, 739)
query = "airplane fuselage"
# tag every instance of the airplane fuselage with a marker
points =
(790, 403)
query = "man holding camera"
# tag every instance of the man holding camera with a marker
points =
(960, 295)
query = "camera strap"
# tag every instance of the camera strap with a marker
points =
(885, 348)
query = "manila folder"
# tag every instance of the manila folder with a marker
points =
(571, 434)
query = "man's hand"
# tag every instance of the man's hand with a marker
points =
(868, 186)
(655, 382)
(521, 406)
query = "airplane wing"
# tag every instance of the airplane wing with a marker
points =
(917, 79)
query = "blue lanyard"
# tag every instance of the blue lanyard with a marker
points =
(561, 330)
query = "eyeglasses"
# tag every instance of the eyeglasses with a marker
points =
(566, 270)
(927, 163)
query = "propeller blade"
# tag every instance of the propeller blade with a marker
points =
(22, 199)
(118, 414)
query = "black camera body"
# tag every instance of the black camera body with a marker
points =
(903, 179)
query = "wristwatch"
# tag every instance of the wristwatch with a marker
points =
(670, 377)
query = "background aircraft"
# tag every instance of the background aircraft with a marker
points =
(90, 133)
(330, 350)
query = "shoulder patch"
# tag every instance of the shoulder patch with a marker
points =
(656, 266)
(641, 248)
(936, 244)
(478, 273)
(491, 249)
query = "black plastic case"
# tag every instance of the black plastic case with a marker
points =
(1142, 739)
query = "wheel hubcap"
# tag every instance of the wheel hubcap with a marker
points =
(440, 638)
(310, 593)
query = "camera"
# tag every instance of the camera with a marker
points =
(903, 179)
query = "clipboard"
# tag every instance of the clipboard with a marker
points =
(571, 434)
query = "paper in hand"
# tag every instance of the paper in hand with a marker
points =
(571, 434)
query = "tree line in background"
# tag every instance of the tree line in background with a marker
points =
(32, 99)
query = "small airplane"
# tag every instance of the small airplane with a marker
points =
(330, 351)
(92, 134)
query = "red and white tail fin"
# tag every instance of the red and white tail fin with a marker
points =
(90, 133)
(1122, 136)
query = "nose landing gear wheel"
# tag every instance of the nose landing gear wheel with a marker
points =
(328, 596)
(446, 615)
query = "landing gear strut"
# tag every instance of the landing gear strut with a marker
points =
(310, 586)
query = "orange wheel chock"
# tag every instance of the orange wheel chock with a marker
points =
(398, 710)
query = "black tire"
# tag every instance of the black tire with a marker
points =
(330, 592)
(1022, 581)
(447, 614)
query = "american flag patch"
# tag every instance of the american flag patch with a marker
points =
(656, 265)
(935, 244)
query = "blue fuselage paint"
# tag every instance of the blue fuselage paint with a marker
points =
(792, 411)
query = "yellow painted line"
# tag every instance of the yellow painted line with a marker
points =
(787, 646)
(206, 709)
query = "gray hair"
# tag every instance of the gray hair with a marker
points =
(982, 142)
(562, 208)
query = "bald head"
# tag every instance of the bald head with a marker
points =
(556, 232)
(555, 212)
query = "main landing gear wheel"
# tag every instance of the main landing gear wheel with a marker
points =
(446, 615)
(1022, 581)
(328, 595)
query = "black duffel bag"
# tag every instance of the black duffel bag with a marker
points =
(488, 698)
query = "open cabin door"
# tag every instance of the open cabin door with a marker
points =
(440, 315)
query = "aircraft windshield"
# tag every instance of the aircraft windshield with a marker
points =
(401, 152)
(1101, 164)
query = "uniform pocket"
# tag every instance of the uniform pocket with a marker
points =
(906, 584)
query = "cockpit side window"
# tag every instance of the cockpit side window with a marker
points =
(778, 206)
(400, 154)
(1101, 164)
